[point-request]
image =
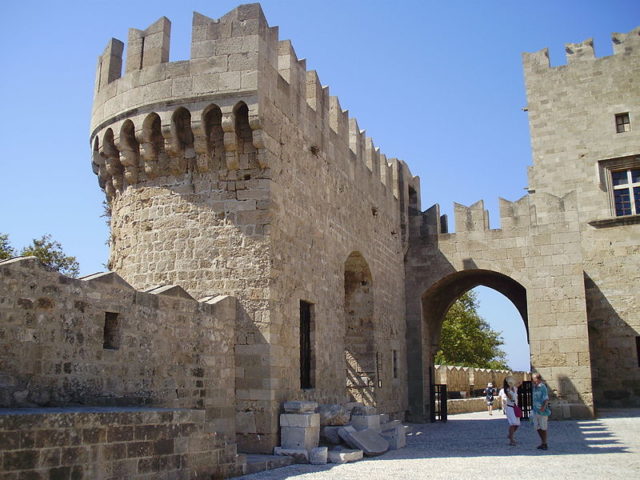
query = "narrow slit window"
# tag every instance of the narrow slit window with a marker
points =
(394, 356)
(622, 123)
(638, 350)
(111, 338)
(307, 372)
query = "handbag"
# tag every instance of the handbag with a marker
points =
(517, 411)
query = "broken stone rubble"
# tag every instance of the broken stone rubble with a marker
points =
(357, 426)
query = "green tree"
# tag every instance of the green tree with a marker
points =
(50, 253)
(6, 250)
(467, 339)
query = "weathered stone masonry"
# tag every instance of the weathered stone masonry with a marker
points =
(98, 342)
(562, 256)
(236, 173)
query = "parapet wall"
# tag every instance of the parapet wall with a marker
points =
(97, 341)
(516, 217)
(623, 44)
(469, 379)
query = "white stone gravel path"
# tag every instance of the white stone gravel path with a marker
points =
(471, 446)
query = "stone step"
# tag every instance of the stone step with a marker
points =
(260, 463)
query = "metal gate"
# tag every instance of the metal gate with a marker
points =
(525, 399)
(438, 403)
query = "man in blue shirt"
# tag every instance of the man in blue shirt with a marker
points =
(541, 409)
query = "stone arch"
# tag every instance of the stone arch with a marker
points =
(129, 151)
(181, 131)
(152, 147)
(244, 137)
(214, 134)
(437, 300)
(359, 337)
(182, 149)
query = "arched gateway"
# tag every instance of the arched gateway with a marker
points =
(542, 278)
(437, 300)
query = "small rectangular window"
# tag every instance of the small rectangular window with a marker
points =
(307, 359)
(622, 123)
(111, 338)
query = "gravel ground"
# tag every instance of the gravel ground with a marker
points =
(470, 445)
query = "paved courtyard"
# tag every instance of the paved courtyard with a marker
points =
(473, 446)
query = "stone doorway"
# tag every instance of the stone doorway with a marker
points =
(360, 354)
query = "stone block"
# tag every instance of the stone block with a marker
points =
(395, 436)
(298, 437)
(344, 455)
(300, 406)
(318, 455)
(388, 424)
(343, 432)
(363, 410)
(369, 441)
(299, 455)
(364, 422)
(329, 434)
(302, 420)
(334, 414)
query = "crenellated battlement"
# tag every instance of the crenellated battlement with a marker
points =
(207, 113)
(526, 212)
(473, 218)
(623, 44)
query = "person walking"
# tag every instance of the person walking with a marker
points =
(540, 409)
(503, 401)
(511, 391)
(489, 393)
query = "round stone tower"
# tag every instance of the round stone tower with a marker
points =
(177, 150)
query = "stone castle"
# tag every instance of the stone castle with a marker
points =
(264, 250)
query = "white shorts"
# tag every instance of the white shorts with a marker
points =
(540, 422)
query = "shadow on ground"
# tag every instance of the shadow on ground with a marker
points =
(479, 435)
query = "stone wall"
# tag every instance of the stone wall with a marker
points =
(339, 217)
(468, 379)
(534, 260)
(561, 255)
(97, 341)
(469, 405)
(576, 147)
(112, 442)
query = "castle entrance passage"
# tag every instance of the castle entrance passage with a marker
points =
(435, 302)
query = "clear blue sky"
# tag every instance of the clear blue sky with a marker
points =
(435, 83)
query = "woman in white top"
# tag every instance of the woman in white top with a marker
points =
(511, 392)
